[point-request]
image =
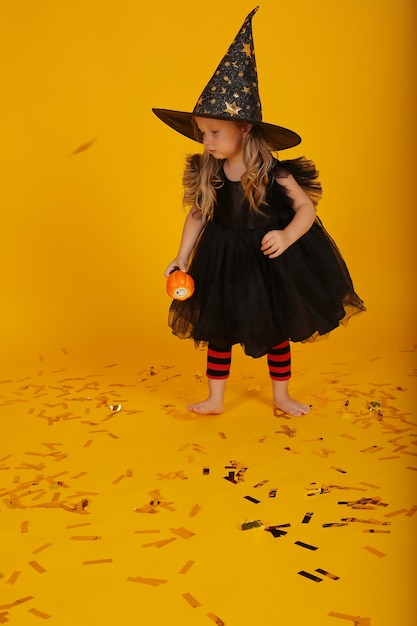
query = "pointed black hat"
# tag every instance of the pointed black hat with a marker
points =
(232, 94)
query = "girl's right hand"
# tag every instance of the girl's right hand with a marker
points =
(176, 264)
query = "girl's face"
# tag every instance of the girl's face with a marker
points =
(222, 138)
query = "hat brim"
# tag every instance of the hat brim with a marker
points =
(278, 137)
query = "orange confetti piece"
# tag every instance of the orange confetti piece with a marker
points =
(41, 548)
(118, 479)
(394, 513)
(185, 568)
(182, 532)
(370, 485)
(358, 621)
(191, 600)
(147, 581)
(13, 578)
(15, 603)
(24, 527)
(195, 510)
(216, 620)
(38, 613)
(37, 566)
(86, 538)
(82, 148)
(374, 551)
(78, 525)
(159, 544)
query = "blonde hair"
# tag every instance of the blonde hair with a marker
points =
(202, 174)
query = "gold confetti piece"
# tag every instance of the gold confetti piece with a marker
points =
(88, 443)
(346, 436)
(376, 531)
(98, 562)
(39, 613)
(24, 527)
(222, 435)
(13, 578)
(18, 602)
(374, 551)
(185, 568)
(41, 548)
(129, 473)
(147, 581)
(216, 620)
(145, 532)
(182, 532)
(191, 600)
(388, 458)
(112, 435)
(37, 566)
(159, 544)
(82, 148)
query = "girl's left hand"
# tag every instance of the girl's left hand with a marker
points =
(274, 243)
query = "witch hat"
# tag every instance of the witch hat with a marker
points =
(232, 94)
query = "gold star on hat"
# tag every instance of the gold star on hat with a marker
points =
(235, 82)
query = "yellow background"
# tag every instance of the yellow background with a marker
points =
(90, 196)
(86, 237)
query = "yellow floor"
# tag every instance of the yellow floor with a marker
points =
(115, 508)
(122, 516)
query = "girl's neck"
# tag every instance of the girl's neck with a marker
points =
(234, 170)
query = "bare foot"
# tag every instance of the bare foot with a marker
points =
(291, 406)
(214, 404)
(284, 402)
(209, 406)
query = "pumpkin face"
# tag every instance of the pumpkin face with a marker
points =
(180, 285)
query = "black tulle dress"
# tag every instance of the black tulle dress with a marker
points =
(242, 296)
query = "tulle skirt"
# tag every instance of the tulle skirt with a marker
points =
(242, 296)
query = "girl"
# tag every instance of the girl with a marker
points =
(265, 269)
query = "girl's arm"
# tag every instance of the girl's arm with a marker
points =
(193, 226)
(275, 242)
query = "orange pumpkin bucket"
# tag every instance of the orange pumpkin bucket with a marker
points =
(180, 285)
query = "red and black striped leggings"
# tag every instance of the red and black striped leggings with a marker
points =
(279, 362)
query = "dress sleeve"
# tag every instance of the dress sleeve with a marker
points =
(306, 175)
